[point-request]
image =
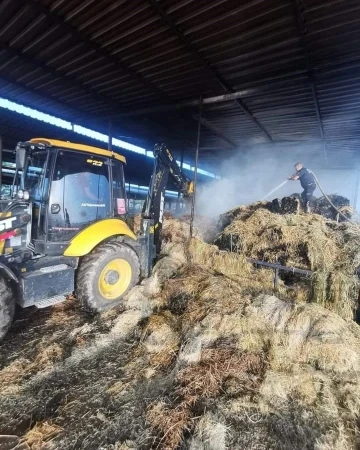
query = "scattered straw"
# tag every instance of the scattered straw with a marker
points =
(40, 434)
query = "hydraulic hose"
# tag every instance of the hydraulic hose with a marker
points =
(328, 199)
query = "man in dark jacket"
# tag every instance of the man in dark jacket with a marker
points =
(307, 181)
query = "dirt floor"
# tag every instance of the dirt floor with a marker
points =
(201, 356)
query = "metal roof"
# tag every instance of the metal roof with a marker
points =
(294, 65)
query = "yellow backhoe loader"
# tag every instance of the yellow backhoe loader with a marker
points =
(63, 228)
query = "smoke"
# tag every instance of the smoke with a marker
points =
(250, 176)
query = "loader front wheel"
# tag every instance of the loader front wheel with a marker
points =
(7, 306)
(106, 275)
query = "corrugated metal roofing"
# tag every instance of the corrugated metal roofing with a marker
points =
(297, 61)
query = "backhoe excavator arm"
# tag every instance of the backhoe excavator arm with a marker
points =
(164, 165)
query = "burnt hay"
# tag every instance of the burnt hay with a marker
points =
(203, 355)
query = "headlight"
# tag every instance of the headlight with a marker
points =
(26, 195)
(20, 193)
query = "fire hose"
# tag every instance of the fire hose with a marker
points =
(329, 200)
(322, 191)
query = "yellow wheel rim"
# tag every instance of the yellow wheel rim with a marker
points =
(114, 279)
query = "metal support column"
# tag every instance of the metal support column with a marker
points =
(356, 194)
(195, 168)
(179, 192)
(276, 278)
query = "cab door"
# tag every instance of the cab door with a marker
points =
(120, 206)
(36, 181)
(80, 194)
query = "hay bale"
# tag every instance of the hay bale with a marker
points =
(244, 211)
(175, 231)
(299, 241)
(286, 205)
(310, 242)
(233, 265)
(308, 334)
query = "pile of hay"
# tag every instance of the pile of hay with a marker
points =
(204, 228)
(200, 356)
(293, 205)
(330, 249)
(256, 372)
(324, 208)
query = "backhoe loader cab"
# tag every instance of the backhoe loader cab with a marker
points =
(63, 228)
(70, 188)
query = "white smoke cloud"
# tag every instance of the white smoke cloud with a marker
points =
(250, 176)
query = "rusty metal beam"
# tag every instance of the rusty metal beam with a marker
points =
(251, 91)
(194, 51)
(186, 104)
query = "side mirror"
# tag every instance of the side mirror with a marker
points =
(20, 158)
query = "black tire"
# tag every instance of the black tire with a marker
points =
(91, 271)
(7, 306)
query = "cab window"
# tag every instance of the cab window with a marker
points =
(80, 194)
(119, 191)
(35, 181)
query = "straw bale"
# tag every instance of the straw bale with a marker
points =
(175, 231)
(286, 205)
(243, 212)
(233, 266)
(309, 334)
(310, 242)
(300, 241)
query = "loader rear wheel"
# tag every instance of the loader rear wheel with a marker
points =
(106, 275)
(7, 306)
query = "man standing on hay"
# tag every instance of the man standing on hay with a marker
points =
(307, 182)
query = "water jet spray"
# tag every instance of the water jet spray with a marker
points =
(274, 190)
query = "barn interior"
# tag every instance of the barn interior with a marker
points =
(245, 333)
